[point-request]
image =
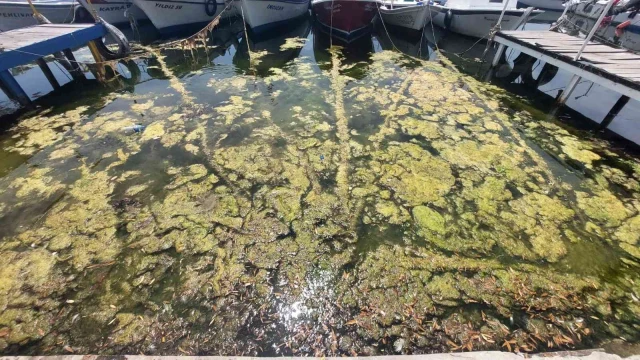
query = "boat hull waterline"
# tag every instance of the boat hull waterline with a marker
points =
(476, 22)
(347, 20)
(171, 16)
(264, 15)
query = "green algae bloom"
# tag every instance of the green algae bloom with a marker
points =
(392, 199)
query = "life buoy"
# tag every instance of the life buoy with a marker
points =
(210, 7)
(448, 17)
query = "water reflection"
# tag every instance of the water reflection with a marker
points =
(417, 44)
(271, 50)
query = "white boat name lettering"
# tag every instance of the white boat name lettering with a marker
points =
(15, 15)
(406, 19)
(275, 7)
(168, 7)
(112, 8)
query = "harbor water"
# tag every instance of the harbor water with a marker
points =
(289, 196)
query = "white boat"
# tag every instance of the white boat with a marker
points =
(592, 9)
(264, 15)
(477, 17)
(412, 15)
(111, 11)
(16, 14)
(622, 29)
(546, 5)
(172, 16)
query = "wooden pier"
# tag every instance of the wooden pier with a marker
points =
(21, 46)
(613, 68)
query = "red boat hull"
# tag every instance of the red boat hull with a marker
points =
(351, 18)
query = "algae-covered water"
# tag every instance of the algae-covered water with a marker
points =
(302, 200)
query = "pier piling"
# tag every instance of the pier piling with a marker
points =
(13, 89)
(48, 74)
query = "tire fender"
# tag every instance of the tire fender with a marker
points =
(448, 18)
(210, 7)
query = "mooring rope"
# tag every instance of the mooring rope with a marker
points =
(433, 31)
(174, 82)
(422, 33)
(147, 50)
(385, 28)
(246, 36)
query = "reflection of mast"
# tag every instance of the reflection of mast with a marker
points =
(416, 45)
(274, 57)
(355, 51)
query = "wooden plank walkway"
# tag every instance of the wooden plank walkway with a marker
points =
(613, 68)
(22, 46)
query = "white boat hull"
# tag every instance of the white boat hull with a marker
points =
(170, 16)
(546, 5)
(115, 11)
(629, 38)
(14, 15)
(588, 9)
(411, 17)
(263, 15)
(475, 22)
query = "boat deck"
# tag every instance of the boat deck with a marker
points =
(613, 68)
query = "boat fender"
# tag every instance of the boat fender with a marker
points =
(210, 7)
(124, 48)
(448, 17)
(620, 28)
(82, 15)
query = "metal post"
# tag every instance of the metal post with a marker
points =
(48, 74)
(499, 52)
(504, 9)
(98, 58)
(566, 7)
(14, 91)
(615, 110)
(568, 90)
(76, 72)
(594, 29)
(524, 18)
